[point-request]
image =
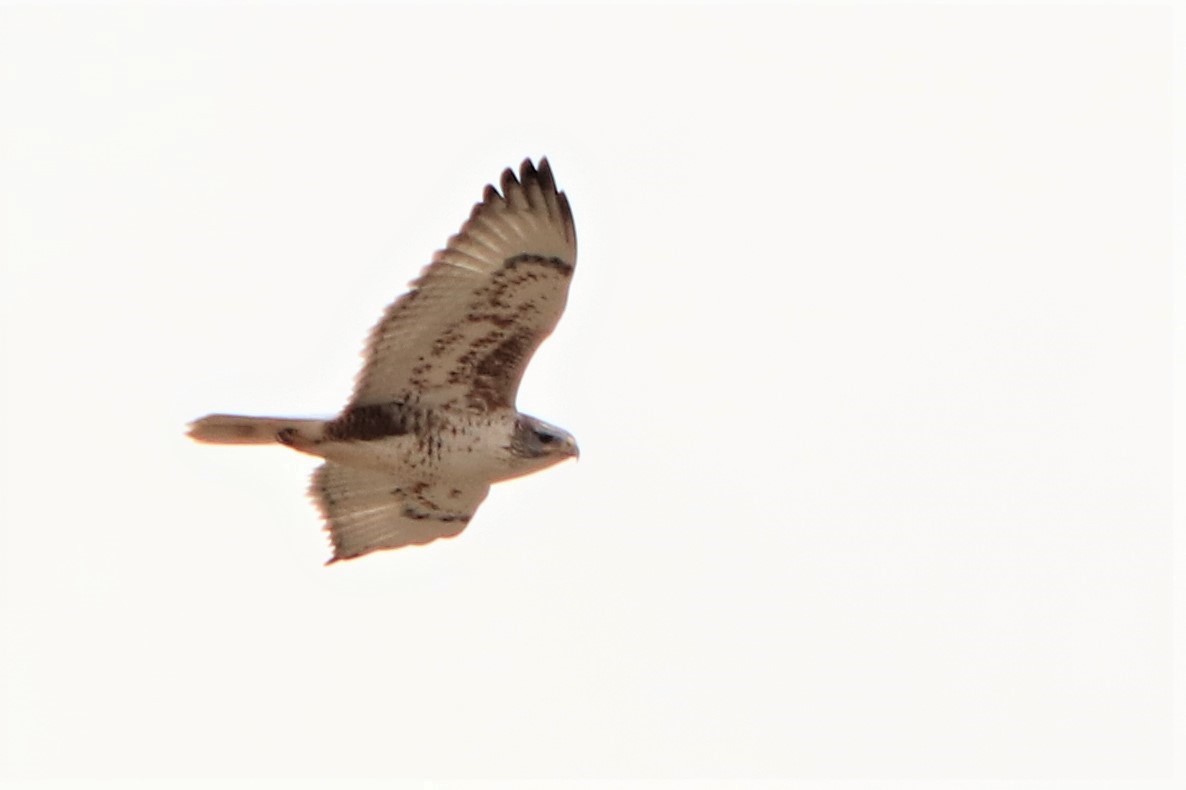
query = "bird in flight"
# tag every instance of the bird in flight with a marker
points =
(432, 422)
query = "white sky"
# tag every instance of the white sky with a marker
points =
(868, 353)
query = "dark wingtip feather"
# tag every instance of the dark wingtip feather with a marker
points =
(566, 212)
(508, 180)
(546, 181)
(527, 172)
(490, 197)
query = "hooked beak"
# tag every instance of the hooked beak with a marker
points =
(571, 445)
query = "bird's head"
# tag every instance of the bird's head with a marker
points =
(535, 444)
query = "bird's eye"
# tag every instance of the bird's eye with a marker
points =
(545, 438)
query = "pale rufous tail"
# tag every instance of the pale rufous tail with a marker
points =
(236, 429)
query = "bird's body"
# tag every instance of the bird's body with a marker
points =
(433, 422)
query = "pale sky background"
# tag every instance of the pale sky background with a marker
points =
(868, 352)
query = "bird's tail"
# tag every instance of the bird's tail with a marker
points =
(236, 429)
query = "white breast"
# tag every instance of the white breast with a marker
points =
(460, 447)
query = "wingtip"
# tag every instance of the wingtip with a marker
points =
(338, 558)
(546, 179)
(527, 172)
(508, 181)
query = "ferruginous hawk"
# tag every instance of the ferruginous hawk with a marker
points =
(432, 422)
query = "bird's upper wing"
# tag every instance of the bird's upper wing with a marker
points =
(366, 510)
(465, 332)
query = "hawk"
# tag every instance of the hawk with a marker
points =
(432, 422)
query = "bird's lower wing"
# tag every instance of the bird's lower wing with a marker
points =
(367, 511)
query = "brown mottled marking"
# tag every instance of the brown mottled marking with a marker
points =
(498, 320)
(551, 262)
(376, 421)
(445, 341)
(419, 376)
(493, 377)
